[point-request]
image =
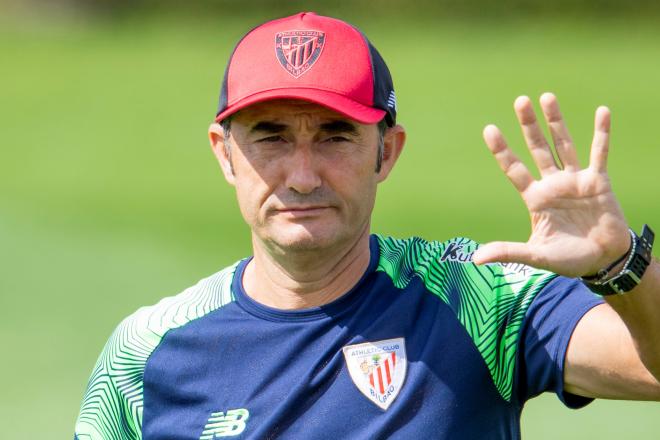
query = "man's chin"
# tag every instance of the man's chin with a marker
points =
(305, 240)
(304, 244)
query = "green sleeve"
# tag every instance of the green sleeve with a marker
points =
(490, 301)
(113, 403)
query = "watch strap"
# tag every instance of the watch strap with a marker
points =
(630, 276)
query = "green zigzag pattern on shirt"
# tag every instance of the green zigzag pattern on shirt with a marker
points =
(113, 403)
(490, 301)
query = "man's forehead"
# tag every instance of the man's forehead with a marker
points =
(288, 110)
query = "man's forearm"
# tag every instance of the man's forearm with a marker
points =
(640, 311)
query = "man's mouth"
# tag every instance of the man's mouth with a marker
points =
(302, 211)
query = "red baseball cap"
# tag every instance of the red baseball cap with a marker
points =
(312, 58)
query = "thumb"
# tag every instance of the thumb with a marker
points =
(503, 252)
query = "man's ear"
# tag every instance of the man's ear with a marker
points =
(393, 142)
(222, 151)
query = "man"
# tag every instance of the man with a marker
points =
(330, 332)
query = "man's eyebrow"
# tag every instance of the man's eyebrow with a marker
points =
(268, 127)
(340, 126)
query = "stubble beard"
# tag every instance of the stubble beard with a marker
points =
(307, 246)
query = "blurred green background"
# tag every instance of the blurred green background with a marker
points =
(110, 197)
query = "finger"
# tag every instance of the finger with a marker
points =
(601, 143)
(503, 252)
(514, 169)
(538, 146)
(559, 132)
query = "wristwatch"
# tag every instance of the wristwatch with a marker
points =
(637, 260)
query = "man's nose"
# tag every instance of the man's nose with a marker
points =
(303, 176)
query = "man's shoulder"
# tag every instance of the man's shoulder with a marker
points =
(116, 385)
(405, 258)
(490, 301)
(138, 335)
(454, 249)
(207, 295)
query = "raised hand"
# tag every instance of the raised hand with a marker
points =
(578, 226)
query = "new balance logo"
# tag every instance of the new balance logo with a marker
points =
(225, 425)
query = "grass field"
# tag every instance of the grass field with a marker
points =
(110, 197)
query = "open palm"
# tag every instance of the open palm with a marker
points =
(577, 224)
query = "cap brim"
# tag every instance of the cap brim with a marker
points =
(338, 103)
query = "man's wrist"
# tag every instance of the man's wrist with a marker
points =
(612, 270)
(612, 280)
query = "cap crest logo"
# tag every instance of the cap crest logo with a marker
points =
(378, 369)
(297, 51)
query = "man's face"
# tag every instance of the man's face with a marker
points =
(305, 176)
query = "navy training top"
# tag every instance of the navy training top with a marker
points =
(425, 345)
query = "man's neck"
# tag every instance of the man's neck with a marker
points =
(303, 280)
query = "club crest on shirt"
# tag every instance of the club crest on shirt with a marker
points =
(378, 369)
(297, 51)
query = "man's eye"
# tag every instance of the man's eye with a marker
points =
(337, 139)
(275, 138)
